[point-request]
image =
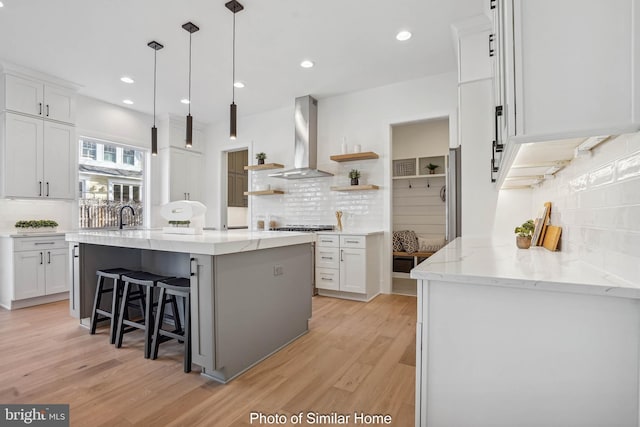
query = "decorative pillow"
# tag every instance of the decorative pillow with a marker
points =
(397, 244)
(430, 244)
(409, 241)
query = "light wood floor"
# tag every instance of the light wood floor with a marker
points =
(356, 357)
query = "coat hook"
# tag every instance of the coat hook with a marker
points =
(428, 185)
(409, 183)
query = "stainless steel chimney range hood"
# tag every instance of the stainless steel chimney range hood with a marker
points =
(305, 151)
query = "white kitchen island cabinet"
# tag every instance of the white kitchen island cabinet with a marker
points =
(250, 291)
(510, 337)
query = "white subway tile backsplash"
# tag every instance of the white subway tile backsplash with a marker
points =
(596, 200)
(629, 167)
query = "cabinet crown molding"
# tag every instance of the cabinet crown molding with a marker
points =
(20, 71)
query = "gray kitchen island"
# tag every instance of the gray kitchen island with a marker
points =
(251, 291)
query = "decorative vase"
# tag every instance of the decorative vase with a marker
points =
(523, 242)
(354, 181)
(261, 161)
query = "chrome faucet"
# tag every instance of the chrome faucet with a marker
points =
(121, 210)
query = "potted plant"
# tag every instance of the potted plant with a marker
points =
(36, 226)
(523, 234)
(354, 175)
(432, 168)
(261, 156)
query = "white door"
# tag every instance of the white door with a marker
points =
(29, 274)
(59, 175)
(353, 270)
(59, 104)
(24, 95)
(56, 267)
(23, 156)
(179, 174)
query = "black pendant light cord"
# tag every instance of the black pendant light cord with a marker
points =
(190, 34)
(155, 61)
(233, 61)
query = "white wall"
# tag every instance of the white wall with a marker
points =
(596, 201)
(95, 119)
(363, 117)
(422, 139)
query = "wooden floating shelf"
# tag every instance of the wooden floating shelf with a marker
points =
(263, 167)
(355, 188)
(367, 155)
(434, 175)
(263, 192)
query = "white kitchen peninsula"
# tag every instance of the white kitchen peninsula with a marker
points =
(524, 337)
(251, 291)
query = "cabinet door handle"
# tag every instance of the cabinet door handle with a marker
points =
(40, 190)
(192, 270)
(498, 146)
(39, 108)
(491, 51)
(41, 259)
(47, 110)
(48, 257)
(74, 253)
(341, 254)
(492, 4)
(47, 189)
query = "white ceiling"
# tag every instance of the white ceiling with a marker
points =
(95, 42)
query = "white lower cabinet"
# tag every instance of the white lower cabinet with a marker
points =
(35, 268)
(348, 266)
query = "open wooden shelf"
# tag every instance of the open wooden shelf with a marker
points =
(263, 167)
(263, 192)
(366, 155)
(355, 188)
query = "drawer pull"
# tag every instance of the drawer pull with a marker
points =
(352, 241)
(326, 241)
(327, 280)
(44, 243)
(327, 257)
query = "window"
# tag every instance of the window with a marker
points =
(109, 153)
(108, 181)
(128, 157)
(89, 150)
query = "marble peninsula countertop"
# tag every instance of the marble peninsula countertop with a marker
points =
(209, 243)
(485, 262)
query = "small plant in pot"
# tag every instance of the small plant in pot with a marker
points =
(432, 168)
(261, 156)
(354, 175)
(36, 225)
(523, 234)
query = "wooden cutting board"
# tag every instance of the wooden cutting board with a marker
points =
(552, 237)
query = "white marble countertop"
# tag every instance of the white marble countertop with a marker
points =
(481, 261)
(14, 233)
(352, 232)
(209, 243)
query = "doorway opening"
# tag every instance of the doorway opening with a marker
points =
(419, 152)
(237, 187)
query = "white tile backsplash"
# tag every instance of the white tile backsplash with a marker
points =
(596, 200)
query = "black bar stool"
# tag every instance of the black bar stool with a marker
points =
(145, 282)
(178, 287)
(99, 314)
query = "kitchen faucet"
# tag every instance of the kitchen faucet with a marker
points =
(121, 210)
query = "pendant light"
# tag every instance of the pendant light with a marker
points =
(154, 131)
(191, 28)
(235, 7)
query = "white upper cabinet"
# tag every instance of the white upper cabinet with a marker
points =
(58, 153)
(27, 96)
(185, 172)
(567, 68)
(22, 156)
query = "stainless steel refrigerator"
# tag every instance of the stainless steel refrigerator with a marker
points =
(454, 195)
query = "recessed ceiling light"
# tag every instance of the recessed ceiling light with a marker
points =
(128, 101)
(184, 101)
(307, 64)
(239, 85)
(403, 36)
(126, 79)
(1, 4)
